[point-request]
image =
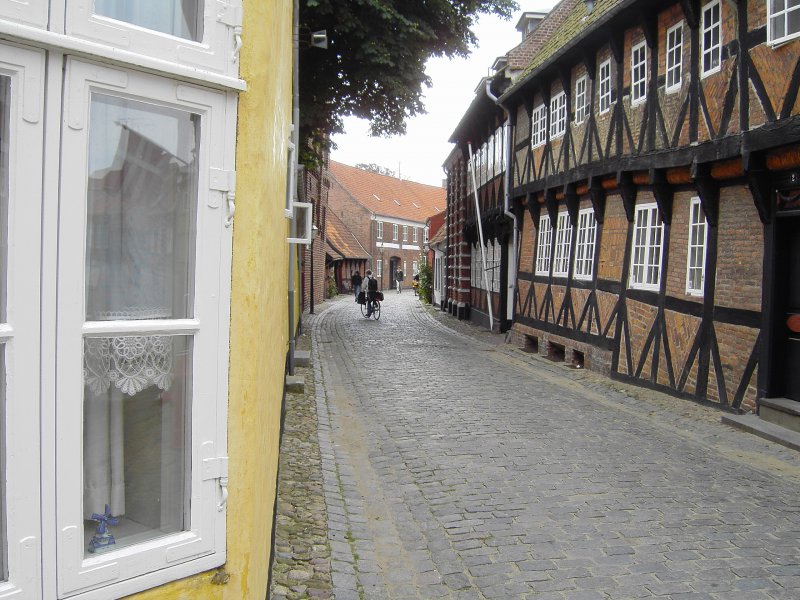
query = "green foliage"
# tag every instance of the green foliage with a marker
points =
(332, 290)
(373, 168)
(374, 66)
(426, 283)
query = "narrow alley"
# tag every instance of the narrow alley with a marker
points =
(454, 466)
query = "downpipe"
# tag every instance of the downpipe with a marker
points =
(512, 285)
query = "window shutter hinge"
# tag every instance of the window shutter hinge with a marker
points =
(217, 468)
(225, 181)
(231, 15)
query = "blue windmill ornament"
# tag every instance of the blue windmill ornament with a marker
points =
(102, 540)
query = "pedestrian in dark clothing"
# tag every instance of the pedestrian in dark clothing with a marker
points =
(399, 279)
(355, 282)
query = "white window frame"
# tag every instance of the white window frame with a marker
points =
(563, 245)
(638, 73)
(217, 51)
(604, 87)
(581, 95)
(405, 233)
(674, 58)
(539, 126)
(425, 235)
(544, 238)
(414, 267)
(648, 248)
(780, 15)
(20, 333)
(379, 269)
(709, 26)
(558, 115)
(27, 12)
(414, 235)
(202, 545)
(696, 255)
(585, 245)
(395, 232)
(379, 232)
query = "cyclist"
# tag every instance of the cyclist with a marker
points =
(372, 290)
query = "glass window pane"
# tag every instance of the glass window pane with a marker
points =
(181, 18)
(136, 439)
(142, 192)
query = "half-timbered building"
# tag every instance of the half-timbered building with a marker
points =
(654, 177)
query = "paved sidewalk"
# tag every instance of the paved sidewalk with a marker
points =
(457, 467)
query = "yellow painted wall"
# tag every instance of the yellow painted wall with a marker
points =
(259, 310)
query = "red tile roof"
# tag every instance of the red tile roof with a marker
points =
(342, 239)
(389, 196)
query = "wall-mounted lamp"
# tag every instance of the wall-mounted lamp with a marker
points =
(589, 6)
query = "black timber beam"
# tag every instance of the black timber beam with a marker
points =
(627, 189)
(597, 194)
(663, 193)
(708, 188)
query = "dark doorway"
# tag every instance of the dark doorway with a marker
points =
(394, 264)
(787, 307)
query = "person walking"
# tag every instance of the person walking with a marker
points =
(355, 283)
(372, 291)
(399, 279)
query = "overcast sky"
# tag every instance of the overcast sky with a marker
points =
(419, 154)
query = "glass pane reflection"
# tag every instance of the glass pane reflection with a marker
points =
(136, 439)
(181, 18)
(142, 192)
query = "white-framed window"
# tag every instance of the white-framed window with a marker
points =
(783, 20)
(475, 280)
(379, 269)
(648, 235)
(696, 258)
(425, 235)
(638, 73)
(543, 241)
(414, 267)
(21, 137)
(379, 234)
(414, 234)
(674, 57)
(196, 33)
(493, 262)
(584, 244)
(539, 126)
(142, 332)
(711, 38)
(558, 115)
(500, 141)
(491, 151)
(604, 86)
(563, 241)
(395, 229)
(405, 233)
(405, 270)
(581, 104)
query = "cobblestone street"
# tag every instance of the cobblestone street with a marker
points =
(454, 466)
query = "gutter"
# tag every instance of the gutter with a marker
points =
(296, 140)
(512, 284)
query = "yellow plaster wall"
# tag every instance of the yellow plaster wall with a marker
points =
(259, 311)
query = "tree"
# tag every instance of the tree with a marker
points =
(374, 66)
(373, 168)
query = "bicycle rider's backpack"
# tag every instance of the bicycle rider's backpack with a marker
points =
(372, 285)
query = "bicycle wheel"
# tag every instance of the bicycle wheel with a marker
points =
(376, 312)
(364, 309)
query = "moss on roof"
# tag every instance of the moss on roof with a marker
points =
(576, 23)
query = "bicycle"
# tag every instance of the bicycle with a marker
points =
(376, 309)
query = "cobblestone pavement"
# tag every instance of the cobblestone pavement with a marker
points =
(457, 467)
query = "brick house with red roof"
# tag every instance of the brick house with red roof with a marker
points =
(386, 215)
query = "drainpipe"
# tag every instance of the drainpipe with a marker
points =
(296, 141)
(512, 285)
